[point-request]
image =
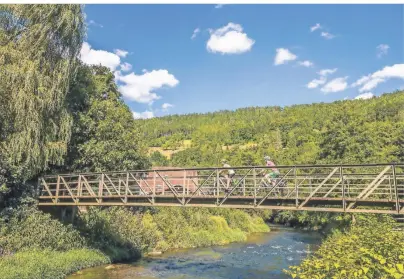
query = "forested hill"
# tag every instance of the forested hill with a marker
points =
(351, 131)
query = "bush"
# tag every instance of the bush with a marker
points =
(115, 231)
(29, 228)
(191, 227)
(370, 249)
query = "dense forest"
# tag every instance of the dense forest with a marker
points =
(350, 131)
(58, 114)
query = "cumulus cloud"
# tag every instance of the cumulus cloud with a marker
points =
(335, 85)
(382, 49)
(364, 96)
(143, 115)
(166, 106)
(315, 27)
(96, 57)
(140, 88)
(371, 81)
(121, 52)
(327, 35)
(316, 82)
(326, 72)
(306, 63)
(229, 39)
(126, 67)
(283, 55)
(195, 33)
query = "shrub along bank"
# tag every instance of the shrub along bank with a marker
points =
(34, 245)
(368, 249)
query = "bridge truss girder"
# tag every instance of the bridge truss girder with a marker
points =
(377, 188)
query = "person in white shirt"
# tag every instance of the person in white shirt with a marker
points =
(228, 174)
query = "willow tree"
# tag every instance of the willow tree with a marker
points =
(39, 46)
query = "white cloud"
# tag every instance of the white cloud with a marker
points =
(92, 22)
(121, 52)
(140, 88)
(327, 35)
(143, 115)
(361, 81)
(315, 27)
(126, 67)
(96, 57)
(306, 63)
(382, 49)
(322, 79)
(326, 72)
(364, 96)
(219, 6)
(335, 85)
(196, 31)
(166, 106)
(229, 39)
(372, 83)
(144, 71)
(395, 71)
(316, 82)
(372, 80)
(283, 55)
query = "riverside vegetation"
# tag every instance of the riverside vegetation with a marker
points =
(57, 114)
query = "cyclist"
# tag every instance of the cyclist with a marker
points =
(274, 172)
(229, 175)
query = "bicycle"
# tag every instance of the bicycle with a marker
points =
(268, 183)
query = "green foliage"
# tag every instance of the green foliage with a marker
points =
(39, 45)
(115, 231)
(166, 228)
(104, 135)
(48, 264)
(355, 131)
(313, 220)
(29, 228)
(158, 159)
(369, 249)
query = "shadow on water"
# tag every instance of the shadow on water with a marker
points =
(261, 256)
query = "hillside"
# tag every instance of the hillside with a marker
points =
(351, 131)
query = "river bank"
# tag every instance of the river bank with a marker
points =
(261, 255)
(34, 245)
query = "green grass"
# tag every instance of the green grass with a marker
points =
(44, 264)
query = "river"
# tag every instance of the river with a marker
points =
(263, 255)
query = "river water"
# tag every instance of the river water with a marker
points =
(261, 256)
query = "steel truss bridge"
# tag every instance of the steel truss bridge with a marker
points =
(372, 188)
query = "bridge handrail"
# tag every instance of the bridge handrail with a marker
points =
(234, 168)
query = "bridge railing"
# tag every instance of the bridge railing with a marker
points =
(340, 187)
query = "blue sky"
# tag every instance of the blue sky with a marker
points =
(245, 55)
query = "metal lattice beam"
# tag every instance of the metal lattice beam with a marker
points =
(364, 188)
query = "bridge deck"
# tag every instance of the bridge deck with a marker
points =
(333, 188)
